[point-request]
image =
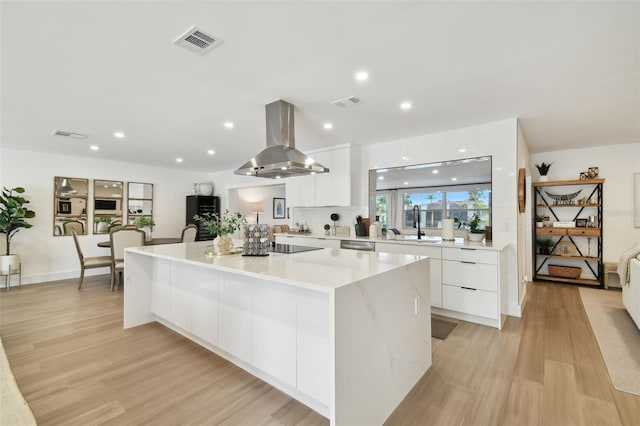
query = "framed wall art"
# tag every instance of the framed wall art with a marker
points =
(279, 208)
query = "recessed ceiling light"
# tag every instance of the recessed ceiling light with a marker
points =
(228, 124)
(211, 152)
(178, 160)
(405, 106)
(362, 76)
(94, 147)
(380, 177)
(454, 179)
(106, 186)
(312, 173)
(328, 126)
(406, 183)
(119, 135)
(435, 172)
(248, 173)
(405, 158)
(277, 177)
(462, 150)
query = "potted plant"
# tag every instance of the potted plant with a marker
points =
(222, 226)
(543, 169)
(544, 245)
(475, 233)
(102, 224)
(13, 215)
(327, 229)
(539, 220)
(145, 223)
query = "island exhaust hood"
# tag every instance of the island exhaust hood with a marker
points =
(280, 158)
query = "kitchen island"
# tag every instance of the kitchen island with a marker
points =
(347, 333)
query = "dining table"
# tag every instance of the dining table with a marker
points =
(152, 242)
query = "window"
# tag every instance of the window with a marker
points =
(460, 202)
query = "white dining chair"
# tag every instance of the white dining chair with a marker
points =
(189, 234)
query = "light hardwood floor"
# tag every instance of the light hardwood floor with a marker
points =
(76, 365)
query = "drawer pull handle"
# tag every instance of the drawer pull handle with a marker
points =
(463, 248)
(468, 288)
(470, 263)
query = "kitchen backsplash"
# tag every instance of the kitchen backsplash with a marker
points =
(317, 217)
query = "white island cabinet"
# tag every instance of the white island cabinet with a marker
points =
(322, 326)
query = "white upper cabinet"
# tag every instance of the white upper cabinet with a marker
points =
(339, 187)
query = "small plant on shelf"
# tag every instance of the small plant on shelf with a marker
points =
(474, 224)
(103, 219)
(543, 168)
(327, 228)
(544, 245)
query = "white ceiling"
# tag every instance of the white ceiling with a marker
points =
(568, 71)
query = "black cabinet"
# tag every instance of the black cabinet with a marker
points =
(199, 204)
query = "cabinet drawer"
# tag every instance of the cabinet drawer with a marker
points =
(584, 232)
(474, 275)
(548, 230)
(415, 248)
(470, 255)
(474, 302)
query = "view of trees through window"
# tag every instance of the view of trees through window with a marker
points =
(438, 203)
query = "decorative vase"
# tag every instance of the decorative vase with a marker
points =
(223, 244)
(326, 233)
(205, 188)
(147, 233)
(102, 228)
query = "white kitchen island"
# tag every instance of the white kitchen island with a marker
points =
(347, 333)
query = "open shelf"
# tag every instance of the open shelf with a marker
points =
(568, 182)
(555, 206)
(557, 256)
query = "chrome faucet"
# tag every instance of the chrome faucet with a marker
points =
(416, 219)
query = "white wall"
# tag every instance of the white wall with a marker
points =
(524, 221)
(45, 257)
(617, 164)
(499, 140)
(243, 199)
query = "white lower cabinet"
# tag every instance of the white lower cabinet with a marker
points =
(205, 304)
(181, 295)
(234, 333)
(273, 343)
(472, 283)
(308, 241)
(312, 361)
(161, 285)
(434, 253)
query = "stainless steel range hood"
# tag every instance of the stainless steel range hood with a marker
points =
(280, 158)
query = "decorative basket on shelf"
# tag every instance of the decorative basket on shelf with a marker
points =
(565, 271)
(563, 199)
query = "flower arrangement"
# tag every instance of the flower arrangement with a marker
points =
(543, 168)
(144, 221)
(226, 223)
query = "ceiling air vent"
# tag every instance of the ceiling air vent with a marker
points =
(347, 102)
(197, 41)
(69, 134)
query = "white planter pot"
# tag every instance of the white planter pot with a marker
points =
(9, 263)
(147, 233)
(475, 237)
(544, 178)
(102, 227)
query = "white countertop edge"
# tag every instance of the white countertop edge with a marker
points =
(311, 282)
(458, 243)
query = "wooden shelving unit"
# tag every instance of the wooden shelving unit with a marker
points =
(581, 239)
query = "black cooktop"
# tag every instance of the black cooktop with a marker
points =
(290, 248)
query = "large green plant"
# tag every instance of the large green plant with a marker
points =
(13, 213)
(227, 223)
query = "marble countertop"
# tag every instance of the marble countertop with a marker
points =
(323, 270)
(411, 240)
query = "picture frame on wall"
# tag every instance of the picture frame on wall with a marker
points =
(581, 223)
(279, 208)
(64, 207)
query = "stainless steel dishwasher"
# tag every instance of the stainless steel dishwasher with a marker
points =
(358, 245)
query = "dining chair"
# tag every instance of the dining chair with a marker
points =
(285, 228)
(73, 225)
(89, 262)
(120, 240)
(189, 234)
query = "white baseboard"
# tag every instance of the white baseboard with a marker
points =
(54, 276)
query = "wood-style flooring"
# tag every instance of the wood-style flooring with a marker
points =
(76, 365)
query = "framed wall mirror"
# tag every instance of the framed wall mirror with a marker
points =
(139, 201)
(70, 205)
(107, 205)
(448, 189)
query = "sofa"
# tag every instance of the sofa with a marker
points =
(631, 292)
